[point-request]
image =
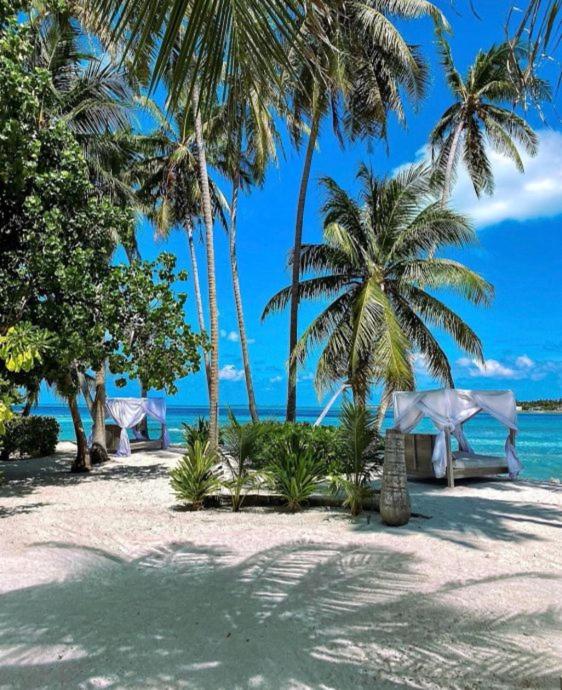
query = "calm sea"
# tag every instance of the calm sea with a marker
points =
(539, 440)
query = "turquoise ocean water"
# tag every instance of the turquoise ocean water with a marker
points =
(539, 440)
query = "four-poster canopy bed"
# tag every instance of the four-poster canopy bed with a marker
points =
(429, 455)
(127, 414)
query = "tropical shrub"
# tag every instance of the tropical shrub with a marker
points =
(198, 431)
(274, 436)
(196, 475)
(240, 441)
(33, 436)
(295, 473)
(361, 448)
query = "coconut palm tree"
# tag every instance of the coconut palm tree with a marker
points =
(355, 65)
(250, 145)
(169, 189)
(374, 270)
(481, 115)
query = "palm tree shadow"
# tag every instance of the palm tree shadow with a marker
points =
(304, 615)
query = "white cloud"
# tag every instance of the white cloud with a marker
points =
(275, 379)
(490, 368)
(517, 368)
(230, 373)
(305, 376)
(536, 193)
(232, 336)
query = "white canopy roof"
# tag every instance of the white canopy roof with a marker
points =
(128, 412)
(449, 408)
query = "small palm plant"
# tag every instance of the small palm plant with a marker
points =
(295, 473)
(196, 476)
(358, 436)
(241, 442)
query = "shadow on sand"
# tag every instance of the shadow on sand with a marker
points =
(303, 615)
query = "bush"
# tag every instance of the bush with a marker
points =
(295, 473)
(322, 441)
(33, 436)
(195, 476)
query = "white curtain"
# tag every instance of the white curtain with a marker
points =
(448, 409)
(128, 412)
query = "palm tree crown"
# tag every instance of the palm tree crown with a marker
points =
(479, 117)
(374, 269)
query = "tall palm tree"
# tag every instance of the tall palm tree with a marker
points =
(250, 145)
(481, 114)
(169, 188)
(356, 63)
(374, 269)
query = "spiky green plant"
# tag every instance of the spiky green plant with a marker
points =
(195, 476)
(295, 473)
(374, 269)
(241, 442)
(357, 435)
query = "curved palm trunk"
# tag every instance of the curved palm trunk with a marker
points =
(98, 451)
(210, 248)
(198, 300)
(238, 298)
(82, 461)
(297, 244)
(395, 506)
(450, 164)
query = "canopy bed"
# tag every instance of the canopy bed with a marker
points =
(127, 414)
(431, 455)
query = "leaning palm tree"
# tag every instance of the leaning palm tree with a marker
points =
(374, 268)
(481, 114)
(354, 68)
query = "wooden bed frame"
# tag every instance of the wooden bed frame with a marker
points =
(417, 450)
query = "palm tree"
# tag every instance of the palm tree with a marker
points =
(374, 269)
(356, 62)
(479, 117)
(169, 190)
(250, 146)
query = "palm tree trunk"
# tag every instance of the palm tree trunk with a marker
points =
(210, 247)
(395, 507)
(198, 300)
(238, 297)
(450, 164)
(98, 451)
(295, 278)
(82, 461)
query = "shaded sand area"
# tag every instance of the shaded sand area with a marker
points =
(105, 585)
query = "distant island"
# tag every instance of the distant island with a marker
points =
(540, 405)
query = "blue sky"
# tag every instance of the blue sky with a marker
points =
(519, 247)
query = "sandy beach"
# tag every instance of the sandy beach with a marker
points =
(106, 584)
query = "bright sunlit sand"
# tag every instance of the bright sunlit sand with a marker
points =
(105, 584)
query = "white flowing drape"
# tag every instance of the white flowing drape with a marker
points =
(128, 412)
(448, 409)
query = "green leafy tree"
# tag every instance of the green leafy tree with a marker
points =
(375, 272)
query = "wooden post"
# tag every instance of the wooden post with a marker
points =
(512, 437)
(450, 474)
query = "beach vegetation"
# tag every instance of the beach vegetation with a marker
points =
(482, 116)
(375, 269)
(35, 436)
(360, 450)
(196, 475)
(240, 443)
(295, 473)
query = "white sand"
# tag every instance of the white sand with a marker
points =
(104, 585)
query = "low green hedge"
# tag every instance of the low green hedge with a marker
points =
(33, 436)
